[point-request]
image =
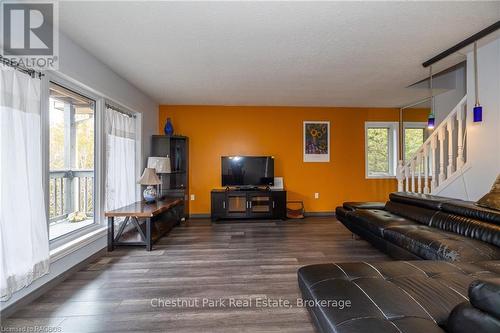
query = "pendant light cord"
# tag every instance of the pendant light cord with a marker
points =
(475, 75)
(430, 90)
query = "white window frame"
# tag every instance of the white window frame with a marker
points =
(413, 124)
(393, 127)
(100, 151)
(98, 161)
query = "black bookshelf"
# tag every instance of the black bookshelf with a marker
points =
(176, 183)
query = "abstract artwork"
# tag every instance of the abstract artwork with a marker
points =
(316, 141)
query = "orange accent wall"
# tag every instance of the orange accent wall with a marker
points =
(215, 131)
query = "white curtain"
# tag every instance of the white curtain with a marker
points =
(120, 159)
(24, 240)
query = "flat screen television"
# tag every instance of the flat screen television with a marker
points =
(247, 171)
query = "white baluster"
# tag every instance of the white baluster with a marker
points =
(407, 182)
(450, 127)
(433, 154)
(441, 138)
(426, 169)
(400, 175)
(412, 170)
(419, 172)
(460, 138)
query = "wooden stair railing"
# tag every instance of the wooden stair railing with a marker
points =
(439, 158)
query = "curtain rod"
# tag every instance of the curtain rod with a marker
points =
(483, 33)
(11, 63)
(109, 106)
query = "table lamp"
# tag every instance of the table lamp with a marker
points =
(161, 165)
(149, 178)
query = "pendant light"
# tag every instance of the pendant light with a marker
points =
(431, 120)
(478, 109)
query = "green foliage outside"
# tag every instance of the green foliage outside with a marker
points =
(378, 151)
(84, 148)
(378, 147)
(56, 139)
(414, 138)
(83, 156)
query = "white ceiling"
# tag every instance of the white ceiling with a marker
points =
(274, 53)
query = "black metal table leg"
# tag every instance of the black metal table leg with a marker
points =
(111, 233)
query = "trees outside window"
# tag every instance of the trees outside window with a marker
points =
(71, 161)
(415, 134)
(381, 149)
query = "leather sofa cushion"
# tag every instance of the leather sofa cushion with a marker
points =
(367, 291)
(424, 241)
(465, 318)
(363, 205)
(482, 313)
(419, 200)
(485, 295)
(465, 226)
(471, 210)
(406, 325)
(433, 244)
(478, 269)
(376, 221)
(376, 240)
(415, 213)
(413, 296)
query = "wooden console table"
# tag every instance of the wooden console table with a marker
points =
(150, 221)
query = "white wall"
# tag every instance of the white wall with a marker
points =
(445, 102)
(483, 139)
(78, 65)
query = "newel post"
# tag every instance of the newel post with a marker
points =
(400, 175)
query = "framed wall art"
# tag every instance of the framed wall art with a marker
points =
(316, 141)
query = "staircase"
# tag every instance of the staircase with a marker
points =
(440, 159)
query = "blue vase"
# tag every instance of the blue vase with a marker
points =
(169, 128)
(150, 194)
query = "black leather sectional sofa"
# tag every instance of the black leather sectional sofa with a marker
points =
(456, 288)
(417, 226)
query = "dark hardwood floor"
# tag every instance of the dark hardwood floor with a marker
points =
(199, 261)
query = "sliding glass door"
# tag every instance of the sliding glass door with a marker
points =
(72, 129)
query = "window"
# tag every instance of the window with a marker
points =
(381, 149)
(71, 197)
(415, 134)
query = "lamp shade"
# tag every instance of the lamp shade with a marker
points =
(160, 164)
(149, 177)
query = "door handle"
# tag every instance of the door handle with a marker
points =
(273, 204)
(224, 204)
(250, 204)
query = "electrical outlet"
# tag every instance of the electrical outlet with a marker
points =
(316, 195)
(192, 197)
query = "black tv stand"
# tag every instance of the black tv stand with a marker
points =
(248, 203)
(248, 188)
